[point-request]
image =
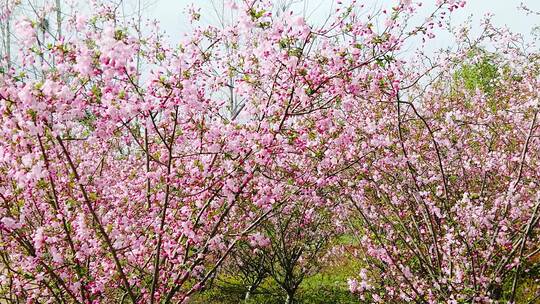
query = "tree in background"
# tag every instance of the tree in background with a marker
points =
(247, 264)
(298, 239)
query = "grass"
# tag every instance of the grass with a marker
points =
(329, 286)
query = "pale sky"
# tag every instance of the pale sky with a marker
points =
(173, 21)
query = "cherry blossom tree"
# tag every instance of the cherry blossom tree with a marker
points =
(448, 200)
(119, 185)
(128, 174)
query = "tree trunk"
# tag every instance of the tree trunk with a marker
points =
(58, 19)
(248, 293)
(290, 297)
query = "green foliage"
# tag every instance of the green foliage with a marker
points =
(88, 120)
(255, 14)
(528, 287)
(478, 75)
(326, 287)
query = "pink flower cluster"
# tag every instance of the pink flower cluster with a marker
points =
(130, 169)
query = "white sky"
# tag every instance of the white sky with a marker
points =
(173, 21)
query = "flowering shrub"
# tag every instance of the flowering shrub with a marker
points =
(448, 199)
